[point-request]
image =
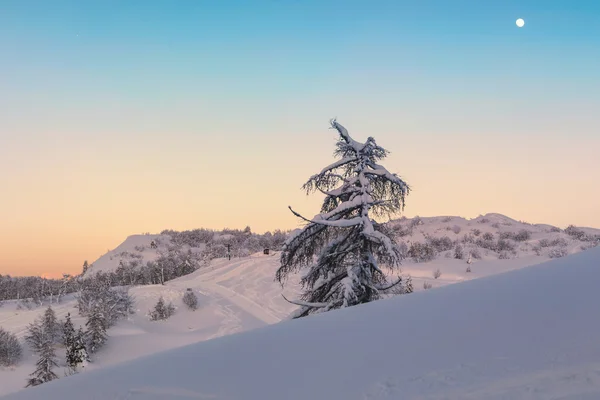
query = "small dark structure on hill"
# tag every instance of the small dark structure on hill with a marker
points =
(153, 245)
(266, 252)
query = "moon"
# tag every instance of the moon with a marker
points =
(520, 22)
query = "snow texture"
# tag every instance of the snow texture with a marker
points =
(525, 334)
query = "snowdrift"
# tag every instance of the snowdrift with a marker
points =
(532, 333)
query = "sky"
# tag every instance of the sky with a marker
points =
(119, 118)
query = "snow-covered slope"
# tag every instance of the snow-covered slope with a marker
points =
(135, 247)
(241, 295)
(526, 334)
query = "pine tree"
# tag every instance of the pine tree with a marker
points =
(41, 341)
(51, 325)
(76, 352)
(342, 248)
(162, 311)
(96, 329)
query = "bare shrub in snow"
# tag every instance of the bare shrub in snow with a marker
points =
(522, 236)
(162, 311)
(342, 248)
(437, 273)
(476, 254)
(590, 245)
(421, 252)
(403, 248)
(140, 248)
(555, 229)
(427, 285)
(446, 219)
(476, 232)
(441, 244)
(11, 350)
(504, 255)
(467, 238)
(483, 221)
(468, 269)
(575, 232)
(496, 225)
(488, 236)
(558, 252)
(190, 299)
(458, 252)
(400, 231)
(559, 242)
(448, 254)
(505, 245)
(416, 221)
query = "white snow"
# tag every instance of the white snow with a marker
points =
(134, 247)
(241, 295)
(526, 334)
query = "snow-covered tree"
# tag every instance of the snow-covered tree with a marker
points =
(343, 249)
(161, 310)
(190, 299)
(10, 349)
(41, 341)
(51, 325)
(96, 329)
(74, 341)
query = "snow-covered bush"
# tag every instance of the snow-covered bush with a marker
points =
(421, 252)
(522, 236)
(504, 255)
(190, 299)
(427, 285)
(441, 244)
(458, 252)
(505, 245)
(558, 252)
(416, 221)
(400, 231)
(575, 232)
(488, 236)
(113, 303)
(475, 253)
(10, 349)
(468, 269)
(456, 229)
(161, 310)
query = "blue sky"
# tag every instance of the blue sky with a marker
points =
(193, 105)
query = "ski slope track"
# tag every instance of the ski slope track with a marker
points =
(531, 333)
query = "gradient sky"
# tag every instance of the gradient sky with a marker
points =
(119, 118)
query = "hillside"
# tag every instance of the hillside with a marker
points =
(518, 240)
(525, 334)
(240, 295)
